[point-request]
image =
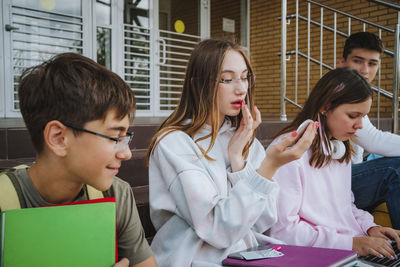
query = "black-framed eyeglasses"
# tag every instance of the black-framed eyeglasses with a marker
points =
(248, 80)
(121, 142)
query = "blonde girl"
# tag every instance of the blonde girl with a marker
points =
(211, 182)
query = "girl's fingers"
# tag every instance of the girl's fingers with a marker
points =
(291, 138)
(375, 253)
(248, 118)
(383, 247)
(299, 146)
(393, 234)
(288, 140)
(310, 130)
(308, 136)
(387, 251)
(245, 114)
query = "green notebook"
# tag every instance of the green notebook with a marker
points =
(71, 235)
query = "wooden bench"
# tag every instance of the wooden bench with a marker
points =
(381, 215)
(141, 194)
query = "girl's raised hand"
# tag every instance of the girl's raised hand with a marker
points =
(285, 151)
(242, 137)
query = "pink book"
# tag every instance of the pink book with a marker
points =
(299, 256)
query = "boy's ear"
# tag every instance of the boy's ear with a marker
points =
(55, 139)
(341, 62)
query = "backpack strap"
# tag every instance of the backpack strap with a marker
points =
(22, 166)
(93, 193)
(10, 191)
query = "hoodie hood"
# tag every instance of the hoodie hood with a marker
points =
(206, 130)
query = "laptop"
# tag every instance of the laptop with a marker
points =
(376, 261)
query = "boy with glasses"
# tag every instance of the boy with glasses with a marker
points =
(374, 181)
(78, 114)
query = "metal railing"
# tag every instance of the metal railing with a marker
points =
(327, 25)
(166, 71)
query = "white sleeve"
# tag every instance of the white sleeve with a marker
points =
(219, 221)
(377, 141)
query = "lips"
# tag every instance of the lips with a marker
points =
(238, 103)
(113, 169)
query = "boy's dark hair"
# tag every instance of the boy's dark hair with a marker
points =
(365, 40)
(72, 89)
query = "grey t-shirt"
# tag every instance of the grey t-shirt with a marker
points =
(132, 243)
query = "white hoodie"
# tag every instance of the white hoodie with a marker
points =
(200, 209)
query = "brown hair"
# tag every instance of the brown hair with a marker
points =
(199, 95)
(337, 87)
(72, 89)
(365, 40)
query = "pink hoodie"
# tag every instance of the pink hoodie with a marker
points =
(316, 206)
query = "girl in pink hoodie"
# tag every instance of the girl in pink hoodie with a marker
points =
(315, 202)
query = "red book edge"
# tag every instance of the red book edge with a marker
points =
(91, 201)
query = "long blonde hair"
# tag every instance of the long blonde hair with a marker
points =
(199, 96)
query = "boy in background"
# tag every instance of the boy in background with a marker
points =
(374, 181)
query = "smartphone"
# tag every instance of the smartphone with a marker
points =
(303, 126)
(237, 255)
(300, 130)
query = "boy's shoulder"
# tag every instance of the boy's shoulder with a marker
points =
(15, 168)
(118, 186)
(13, 183)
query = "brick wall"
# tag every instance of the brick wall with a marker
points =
(225, 9)
(265, 30)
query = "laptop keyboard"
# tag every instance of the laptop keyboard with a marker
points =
(385, 261)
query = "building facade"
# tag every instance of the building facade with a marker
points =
(148, 42)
